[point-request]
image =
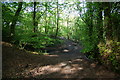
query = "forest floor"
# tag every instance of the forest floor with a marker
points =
(64, 61)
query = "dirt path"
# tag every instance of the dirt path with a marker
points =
(71, 64)
(68, 49)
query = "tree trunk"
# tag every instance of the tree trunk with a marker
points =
(46, 5)
(107, 23)
(100, 23)
(68, 27)
(34, 17)
(57, 20)
(90, 15)
(15, 19)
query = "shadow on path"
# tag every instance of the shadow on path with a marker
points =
(72, 64)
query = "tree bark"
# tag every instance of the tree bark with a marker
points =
(15, 19)
(46, 17)
(107, 25)
(100, 23)
(57, 20)
(90, 15)
(34, 17)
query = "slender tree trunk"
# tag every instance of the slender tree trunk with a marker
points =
(115, 22)
(46, 17)
(34, 17)
(67, 27)
(100, 23)
(108, 25)
(90, 27)
(15, 19)
(57, 19)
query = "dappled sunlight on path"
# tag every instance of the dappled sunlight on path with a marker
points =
(72, 64)
(77, 68)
